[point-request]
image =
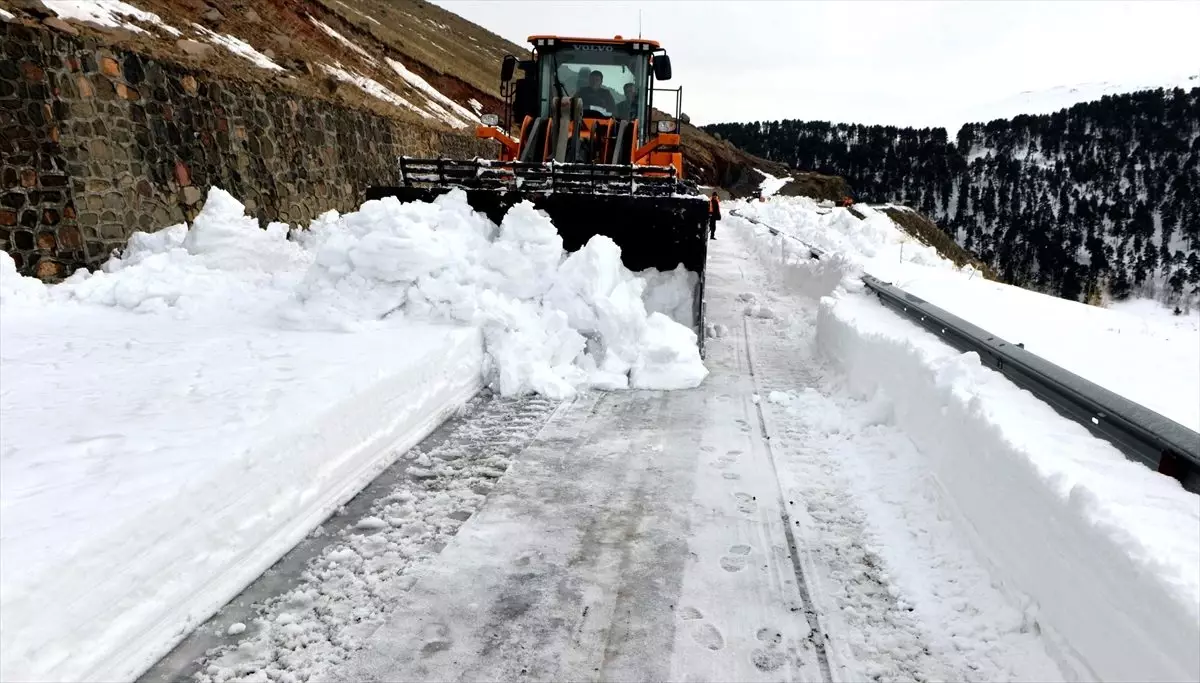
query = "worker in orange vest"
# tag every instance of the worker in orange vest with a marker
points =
(714, 215)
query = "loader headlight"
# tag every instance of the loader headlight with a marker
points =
(490, 119)
(666, 126)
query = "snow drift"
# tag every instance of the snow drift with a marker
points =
(1102, 554)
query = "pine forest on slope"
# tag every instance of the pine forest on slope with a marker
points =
(1098, 200)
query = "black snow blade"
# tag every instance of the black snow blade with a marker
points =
(534, 177)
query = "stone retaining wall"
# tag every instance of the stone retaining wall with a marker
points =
(96, 143)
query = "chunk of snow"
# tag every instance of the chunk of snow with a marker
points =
(759, 311)
(670, 293)
(343, 39)
(239, 47)
(445, 108)
(236, 629)
(106, 13)
(6, 15)
(476, 105)
(370, 524)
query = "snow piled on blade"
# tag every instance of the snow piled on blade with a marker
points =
(5, 15)
(1044, 501)
(552, 325)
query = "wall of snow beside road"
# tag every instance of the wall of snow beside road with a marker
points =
(150, 471)
(1102, 553)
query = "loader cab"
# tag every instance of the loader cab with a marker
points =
(615, 78)
(587, 101)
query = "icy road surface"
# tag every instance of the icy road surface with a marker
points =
(711, 534)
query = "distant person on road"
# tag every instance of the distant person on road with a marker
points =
(714, 215)
(596, 95)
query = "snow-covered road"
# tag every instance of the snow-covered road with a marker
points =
(711, 534)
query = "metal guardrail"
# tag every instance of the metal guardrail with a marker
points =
(1140, 433)
(815, 252)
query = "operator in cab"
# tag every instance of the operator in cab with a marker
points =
(595, 95)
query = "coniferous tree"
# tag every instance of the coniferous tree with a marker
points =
(1102, 197)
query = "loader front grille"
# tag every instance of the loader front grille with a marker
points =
(544, 177)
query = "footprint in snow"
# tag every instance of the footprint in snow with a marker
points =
(437, 639)
(732, 563)
(690, 614)
(736, 560)
(708, 636)
(767, 660)
(769, 636)
(745, 502)
(731, 475)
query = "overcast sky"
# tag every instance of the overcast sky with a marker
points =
(892, 62)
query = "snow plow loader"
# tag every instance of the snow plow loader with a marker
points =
(588, 152)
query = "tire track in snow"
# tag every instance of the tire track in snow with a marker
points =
(315, 606)
(818, 635)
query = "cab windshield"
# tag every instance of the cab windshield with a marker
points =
(610, 80)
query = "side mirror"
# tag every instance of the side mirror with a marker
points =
(662, 67)
(507, 67)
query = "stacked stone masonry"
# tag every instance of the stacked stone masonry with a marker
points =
(97, 143)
